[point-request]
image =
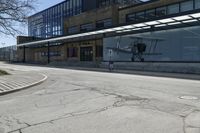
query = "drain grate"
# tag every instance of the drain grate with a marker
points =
(189, 97)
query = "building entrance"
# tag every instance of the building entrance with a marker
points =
(86, 53)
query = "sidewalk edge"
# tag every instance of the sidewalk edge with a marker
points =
(25, 87)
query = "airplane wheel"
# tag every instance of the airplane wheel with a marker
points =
(142, 60)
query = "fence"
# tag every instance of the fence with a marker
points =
(8, 53)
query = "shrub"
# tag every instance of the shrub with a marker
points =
(2, 72)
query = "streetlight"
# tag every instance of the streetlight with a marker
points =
(3, 44)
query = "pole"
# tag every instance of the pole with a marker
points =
(24, 59)
(10, 54)
(48, 53)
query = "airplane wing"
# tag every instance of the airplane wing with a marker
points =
(119, 50)
(147, 38)
(192, 37)
(152, 53)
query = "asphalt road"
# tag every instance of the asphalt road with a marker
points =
(75, 101)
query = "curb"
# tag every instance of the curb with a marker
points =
(185, 76)
(25, 87)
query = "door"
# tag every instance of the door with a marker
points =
(86, 53)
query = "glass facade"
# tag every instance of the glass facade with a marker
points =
(122, 3)
(165, 10)
(49, 23)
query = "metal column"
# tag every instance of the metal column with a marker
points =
(48, 53)
(24, 50)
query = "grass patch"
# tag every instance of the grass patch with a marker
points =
(2, 72)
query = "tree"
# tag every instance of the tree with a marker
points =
(14, 13)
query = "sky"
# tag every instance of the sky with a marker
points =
(40, 5)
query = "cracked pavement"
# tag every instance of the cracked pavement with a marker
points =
(76, 101)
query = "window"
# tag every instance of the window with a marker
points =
(55, 53)
(161, 11)
(107, 22)
(51, 53)
(99, 51)
(187, 6)
(66, 12)
(72, 52)
(44, 54)
(150, 14)
(57, 28)
(104, 23)
(73, 29)
(87, 27)
(78, 6)
(172, 9)
(197, 4)
(104, 3)
(74, 7)
(70, 7)
(140, 16)
(130, 18)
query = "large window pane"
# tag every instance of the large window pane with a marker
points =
(104, 23)
(172, 9)
(186, 6)
(161, 11)
(73, 29)
(140, 16)
(87, 27)
(104, 3)
(150, 14)
(71, 7)
(130, 18)
(197, 4)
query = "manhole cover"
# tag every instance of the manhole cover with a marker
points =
(189, 97)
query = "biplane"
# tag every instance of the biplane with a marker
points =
(138, 47)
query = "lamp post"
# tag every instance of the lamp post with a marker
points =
(3, 50)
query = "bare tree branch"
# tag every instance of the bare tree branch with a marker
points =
(13, 13)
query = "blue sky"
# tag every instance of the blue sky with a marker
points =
(40, 5)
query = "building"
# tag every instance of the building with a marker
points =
(174, 21)
(105, 30)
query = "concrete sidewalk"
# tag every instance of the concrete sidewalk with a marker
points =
(19, 81)
(97, 69)
(135, 72)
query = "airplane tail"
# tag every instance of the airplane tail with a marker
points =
(118, 44)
